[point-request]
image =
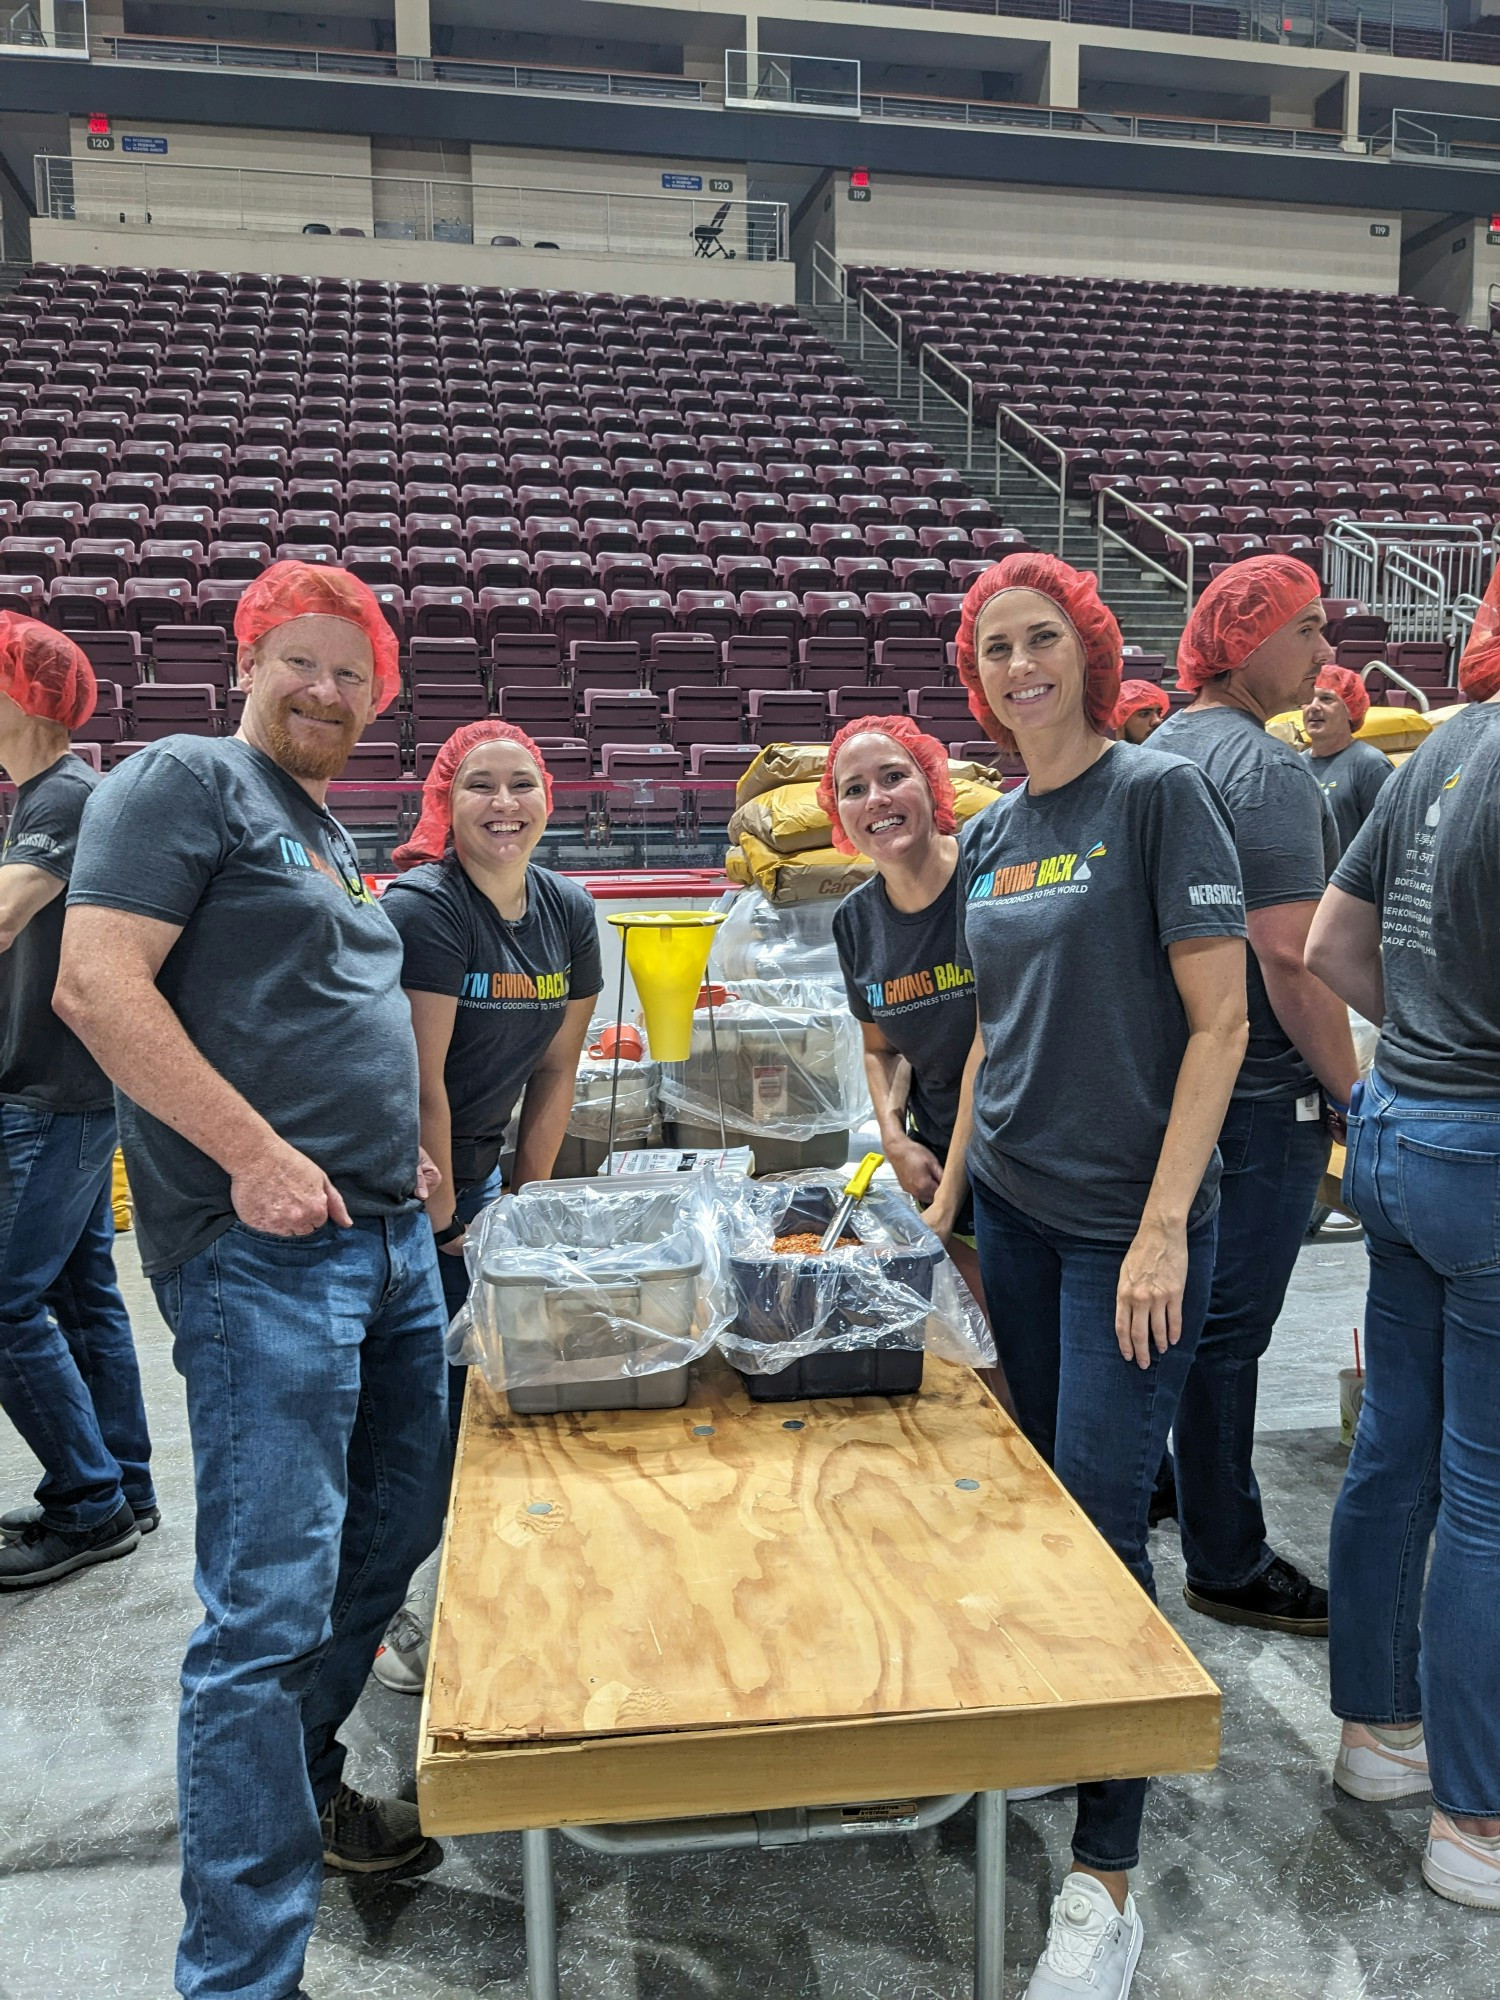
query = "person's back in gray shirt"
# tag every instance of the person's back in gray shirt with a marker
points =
(286, 978)
(1428, 858)
(1287, 843)
(1350, 780)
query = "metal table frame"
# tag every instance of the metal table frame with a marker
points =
(793, 1828)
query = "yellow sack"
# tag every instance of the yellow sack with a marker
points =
(1436, 717)
(787, 819)
(120, 1196)
(1393, 729)
(1288, 726)
(971, 796)
(781, 764)
(819, 874)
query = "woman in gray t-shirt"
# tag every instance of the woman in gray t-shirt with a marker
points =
(1103, 918)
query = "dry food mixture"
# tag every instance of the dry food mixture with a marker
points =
(808, 1243)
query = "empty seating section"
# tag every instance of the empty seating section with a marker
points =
(648, 530)
(1245, 419)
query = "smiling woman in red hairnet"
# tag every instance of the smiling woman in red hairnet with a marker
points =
(1100, 914)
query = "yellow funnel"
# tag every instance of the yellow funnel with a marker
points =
(667, 952)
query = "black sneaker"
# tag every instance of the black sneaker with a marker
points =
(1281, 1599)
(14, 1524)
(366, 1836)
(43, 1555)
(1163, 1495)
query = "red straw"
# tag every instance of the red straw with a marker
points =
(1357, 1369)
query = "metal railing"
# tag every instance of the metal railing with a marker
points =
(46, 27)
(1464, 610)
(985, 116)
(1439, 137)
(1389, 673)
(1411, 576)
(764, 79)
(1113, 496)
(105, 192)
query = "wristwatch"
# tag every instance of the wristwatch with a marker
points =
(451, 1233)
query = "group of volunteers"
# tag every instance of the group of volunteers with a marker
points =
(1111, 1088)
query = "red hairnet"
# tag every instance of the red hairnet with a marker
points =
(1350, 689)
(44, 673)
(929, 756)
(289, 590)
(434, 829)
(1479, 669)
(1136, 695)
(1244, 606)
(1076, 595)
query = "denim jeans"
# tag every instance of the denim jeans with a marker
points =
(1100, 1421)
(1423, 1175)
(315, 1393)
(1273, 1162)
(69, 1381)
(454, 1273)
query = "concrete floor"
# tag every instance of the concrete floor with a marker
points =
(1260, 1882)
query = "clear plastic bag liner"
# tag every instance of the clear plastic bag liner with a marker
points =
(574, 1282)
(787, 1071)
(897, 1288)
(759, 939)
(636, 1113)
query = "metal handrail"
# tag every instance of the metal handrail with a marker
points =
(925, 380)
(865, 302)
(836, 278)
(1060, 484)
(1383, 667)
(1183, 583)
(989, 115)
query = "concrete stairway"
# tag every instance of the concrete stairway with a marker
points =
(1150, 611)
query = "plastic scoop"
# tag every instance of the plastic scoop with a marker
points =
(864, 1173)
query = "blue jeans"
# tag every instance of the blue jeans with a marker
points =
(1273, 1162)
(315, 1392)
(68, 1375)
(1100, 1421)
(454, 1273)
(1423, 1175)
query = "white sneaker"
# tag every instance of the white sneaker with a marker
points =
(401, 1663)
(1092, 1948)
(1461, 1866)
(1366, 1768)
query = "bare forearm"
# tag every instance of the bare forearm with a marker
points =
(955, 1182)
(1343, 950)
(437, 1142)
(1205, 1081)
(545, 1110)
(137, 1040)
(1317, 1023)
(889, 1080)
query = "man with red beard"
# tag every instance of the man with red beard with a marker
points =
(231, 973)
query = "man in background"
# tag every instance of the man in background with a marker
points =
(1350, 774)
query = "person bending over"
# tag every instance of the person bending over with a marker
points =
(502, 968)
(1101, 915)
(1406, 934)
(1254, 647)
(230, 970)
(1349, 774)
(1141, 710)
(68, 1375)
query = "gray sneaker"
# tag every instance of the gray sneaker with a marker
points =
(40, 1554)
(365, 1836)
(1092, 1948)
(14, 1524)
(401, 1663)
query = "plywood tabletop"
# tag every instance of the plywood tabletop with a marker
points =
(739, 1567)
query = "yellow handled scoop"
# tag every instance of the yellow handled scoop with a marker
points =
(864, 1173)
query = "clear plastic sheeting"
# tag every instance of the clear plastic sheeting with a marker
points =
(637, 1117)
(790, 1066)
(576, 1284)
(761, 940)
(896, 1288)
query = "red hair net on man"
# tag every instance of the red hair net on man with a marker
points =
(1350, 689)
(1136, 696)
(434, 828)
(289, 590)
(1076, 595)
(1479, 669)
(1244, 606)
(44, 673)
(929, 756)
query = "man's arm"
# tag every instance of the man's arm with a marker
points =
(23, 891)
(1314, 1018)
(1343, 950)
(107, 993)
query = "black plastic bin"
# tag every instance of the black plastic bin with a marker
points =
(778, 1298)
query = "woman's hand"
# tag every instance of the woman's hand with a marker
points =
(940, 1220)
(429, 1174)
(915, 1168)
(1148, 1302)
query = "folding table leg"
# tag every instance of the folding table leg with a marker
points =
(541, 1914)
(989, 1898)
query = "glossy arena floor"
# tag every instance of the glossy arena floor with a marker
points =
(1259, 1882)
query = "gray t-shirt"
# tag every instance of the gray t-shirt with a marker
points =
(287, 977)
(900, 973)
(1070, 901)
(1350, 780)
(1428, 858)
(1287, 843)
